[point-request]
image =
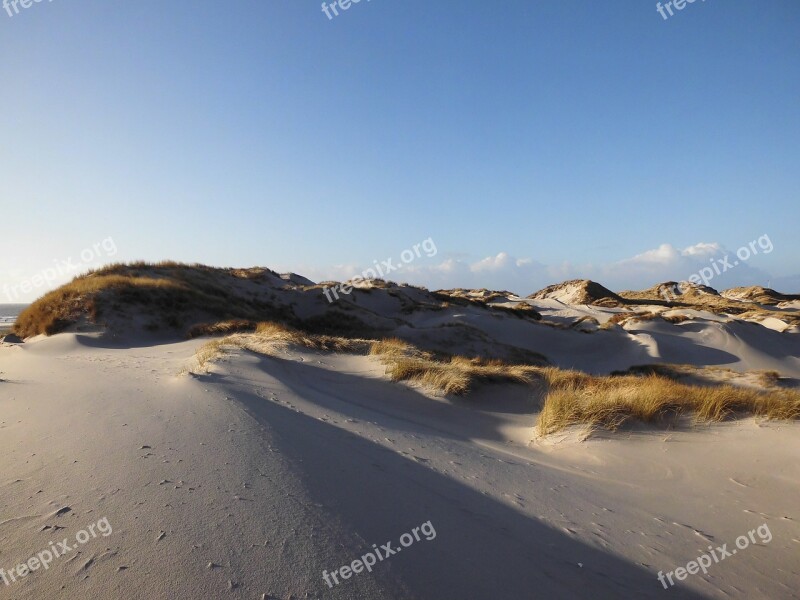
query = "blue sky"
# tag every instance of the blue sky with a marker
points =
(533, 141)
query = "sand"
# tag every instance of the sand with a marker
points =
(250, 481)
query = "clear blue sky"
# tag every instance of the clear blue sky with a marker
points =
(573, 134)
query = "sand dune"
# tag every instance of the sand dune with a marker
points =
(255, 478)
(260, 475)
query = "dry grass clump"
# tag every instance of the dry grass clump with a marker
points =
(272, 339)
(431, 374)
(620, 317)
(676, 319)
(521, 310)
(454, 375)
(623, 317)
(792, 319)
(610, 402)
(444, 296)
(393, 347)
(446, 374)
(769, 378)
(570, 397)
(211, 351)
(665, 370)
(221, 328)
(404, 362)
(648, 316)
(277, 332)
(585, 324)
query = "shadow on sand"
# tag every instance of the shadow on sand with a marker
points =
(484, 549)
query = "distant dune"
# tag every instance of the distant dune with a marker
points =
(760, 295)
(579, 291)
(173, 297)
(455, 339)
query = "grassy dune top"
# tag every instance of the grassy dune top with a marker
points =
(745, 303)
(180, 299)
(761, 295)
(753, 303)
(168, 295)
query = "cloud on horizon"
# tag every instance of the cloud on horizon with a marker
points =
(525, 275)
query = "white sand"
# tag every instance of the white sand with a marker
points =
(271, 470)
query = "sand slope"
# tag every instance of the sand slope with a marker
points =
(253, 479)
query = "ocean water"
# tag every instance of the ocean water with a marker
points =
(9, 312)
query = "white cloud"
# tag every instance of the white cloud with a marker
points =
(525, 275)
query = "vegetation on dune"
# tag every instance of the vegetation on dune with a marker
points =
(707, 299)
(404, 362)
(176, 296)
(222, 328)
(761, 295)
(585, 291)
(173, 296)
(271, 339)
(568, 397)
(445, 374)
(609, 402)
(769, 378)
(739, 302)
(60, 308)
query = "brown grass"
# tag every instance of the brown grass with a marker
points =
(455, 375)
(404, 362)
(175, 294)
(222, 328)
(58, 309)
(790, 318)
(569, 397)
(272, 339)
(521, 310)
(714, 303)
(458, 375)
(610, 402)
(394, 347)
(676, 319)
(623, 317)
(618, 318)
(769, 378)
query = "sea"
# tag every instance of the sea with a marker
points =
(9, 312)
